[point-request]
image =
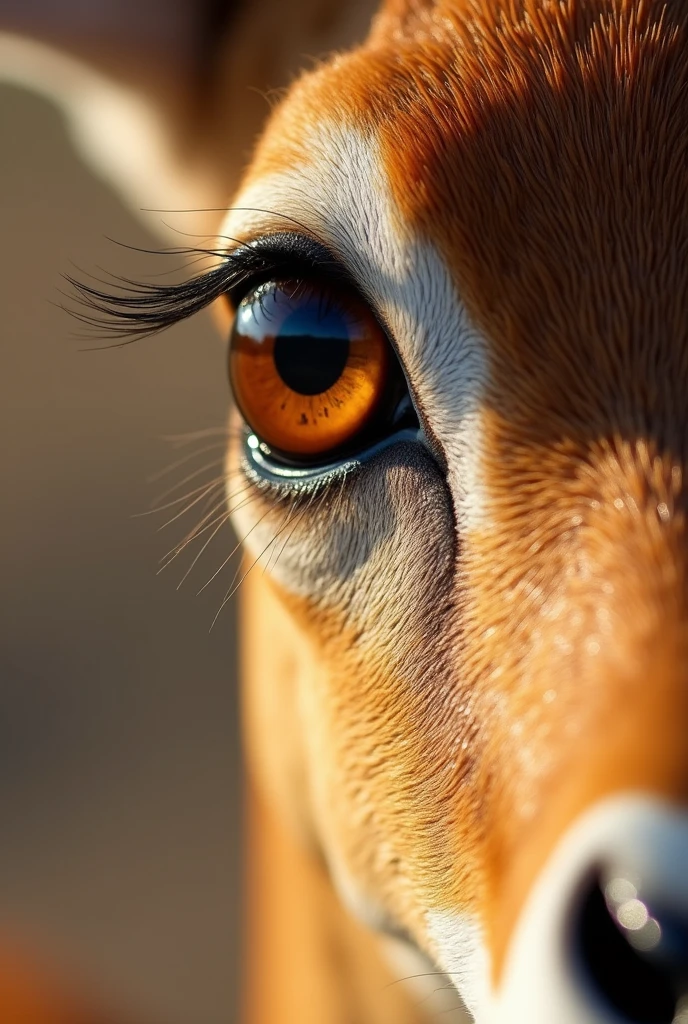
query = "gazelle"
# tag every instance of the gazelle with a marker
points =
(456, 269)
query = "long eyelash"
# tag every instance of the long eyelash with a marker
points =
(135, 309)
(129, 310)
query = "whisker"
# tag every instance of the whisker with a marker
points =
(426, 974)
(230, 556)
(230, 593)
(223, 520)
(452, 1009)
(266, 567)
(176, 501)
(216, 486)
(440, 988)
(196, 435)
(286, 542)
(198, 530)
(304, 512)
(184, 459)
(203, 525)
(211, 498)
(187, 479)
(233, 589)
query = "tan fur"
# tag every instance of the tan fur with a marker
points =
(307, 958)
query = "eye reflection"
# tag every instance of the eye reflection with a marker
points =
(642, 931)
(309, 366)
(312, 345)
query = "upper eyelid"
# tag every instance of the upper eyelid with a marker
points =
(288, 254)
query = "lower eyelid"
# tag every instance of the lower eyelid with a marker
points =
(257, 465)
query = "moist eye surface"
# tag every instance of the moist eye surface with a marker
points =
(310, 367)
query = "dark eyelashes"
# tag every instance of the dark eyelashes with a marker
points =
(133, 309)
(130, 309)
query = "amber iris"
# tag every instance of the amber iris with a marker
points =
(308, 366)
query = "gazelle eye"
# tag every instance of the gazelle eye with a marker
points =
(311, 369)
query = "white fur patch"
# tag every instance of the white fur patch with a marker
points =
(457, 944)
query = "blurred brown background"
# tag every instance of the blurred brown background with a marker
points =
(119, 760)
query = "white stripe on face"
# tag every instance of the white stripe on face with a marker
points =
(342, 195)
(458, 947)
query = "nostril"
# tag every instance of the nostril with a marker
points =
(616, 940)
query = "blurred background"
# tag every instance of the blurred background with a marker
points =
(119, 753)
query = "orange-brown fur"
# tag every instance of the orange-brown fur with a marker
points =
(577, 121)
(542, 148)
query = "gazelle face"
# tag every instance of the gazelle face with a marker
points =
(460, 265)
(484, 607)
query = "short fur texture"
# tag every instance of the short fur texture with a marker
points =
(456, 651)
(459, 680)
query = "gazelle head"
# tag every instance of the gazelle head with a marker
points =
(483, 674)
(468, 648)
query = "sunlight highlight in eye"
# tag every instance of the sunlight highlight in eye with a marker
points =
(641, 930)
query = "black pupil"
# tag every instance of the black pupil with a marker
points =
(312, 346)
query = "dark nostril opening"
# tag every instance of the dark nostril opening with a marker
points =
(639, 989)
